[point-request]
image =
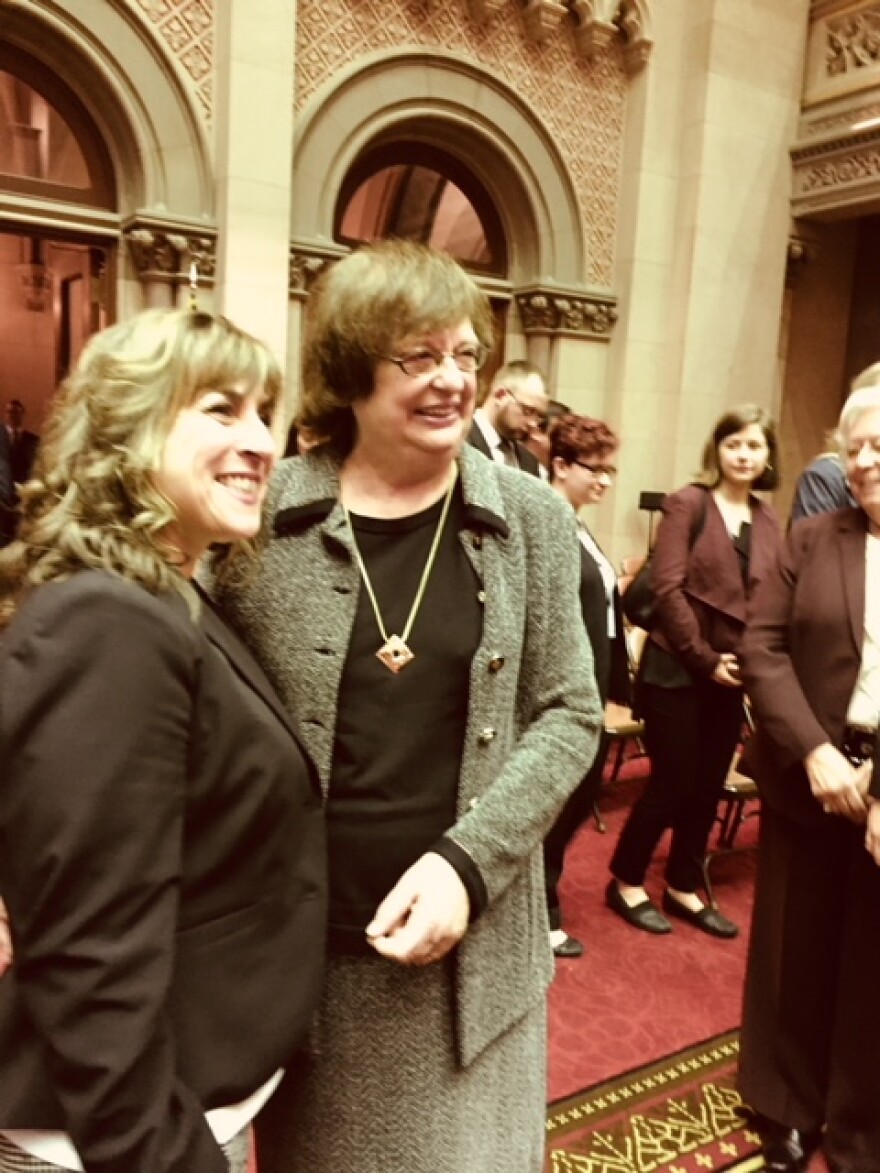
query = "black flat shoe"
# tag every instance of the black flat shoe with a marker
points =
(571, 947)
(645, 916)
(708, 919)
(786, 1150)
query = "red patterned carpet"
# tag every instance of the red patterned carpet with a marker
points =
(635, 999)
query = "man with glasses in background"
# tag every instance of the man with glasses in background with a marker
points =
(514, 407)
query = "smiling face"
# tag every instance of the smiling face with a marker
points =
(423, 414)
(742, 456)
(583, 482)
(215, 469)
(863, 461)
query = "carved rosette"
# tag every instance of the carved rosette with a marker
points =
(307, 263)
(570, 312)
(164, 252)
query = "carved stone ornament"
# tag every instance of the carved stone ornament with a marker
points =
(635, 24)
(166, 251)
(799, 252)
(307, 263)
(551, 311)
(598, 22)
(542, 18)
(853, 42)
(482, 11)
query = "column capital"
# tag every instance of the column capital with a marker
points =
(576, 312)
(163, 249)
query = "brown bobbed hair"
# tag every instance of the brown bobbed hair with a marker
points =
(361, 309)
(734, 421)
(579, 437)
(92, 501)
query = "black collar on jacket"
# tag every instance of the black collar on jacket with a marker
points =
(317, 473)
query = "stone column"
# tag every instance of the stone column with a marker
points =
(703, 232)
(254, 120)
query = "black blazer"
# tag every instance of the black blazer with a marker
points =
(610, 659)
(162, 860)
(801, 656)
(528, 462)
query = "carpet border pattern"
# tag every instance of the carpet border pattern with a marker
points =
(661, 1118)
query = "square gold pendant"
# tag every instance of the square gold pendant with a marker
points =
(395, 654)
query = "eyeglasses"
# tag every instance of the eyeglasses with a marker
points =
(598, 469)
(537, 417)
(426, 361)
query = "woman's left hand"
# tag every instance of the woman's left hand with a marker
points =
(423, 916)
(872, 832)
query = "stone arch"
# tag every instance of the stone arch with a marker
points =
(136, 96)
(442, 100)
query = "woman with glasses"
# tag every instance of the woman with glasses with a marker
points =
(415, 605)
(717, 541)
(582, 469)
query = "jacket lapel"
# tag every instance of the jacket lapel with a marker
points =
(224, 639)
(851, 538)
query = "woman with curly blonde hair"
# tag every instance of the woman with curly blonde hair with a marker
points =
(160, 828)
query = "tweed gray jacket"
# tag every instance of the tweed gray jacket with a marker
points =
(534, 713)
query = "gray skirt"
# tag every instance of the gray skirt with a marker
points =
(383, 1091)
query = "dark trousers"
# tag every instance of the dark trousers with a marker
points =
(577, 809)
(810, 1041)
(690, 735)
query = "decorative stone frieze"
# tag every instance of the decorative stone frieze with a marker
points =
(545, 310)
(836, 173)
(307, 263)
(163, 251)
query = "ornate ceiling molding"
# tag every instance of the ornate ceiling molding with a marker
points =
(579, 313)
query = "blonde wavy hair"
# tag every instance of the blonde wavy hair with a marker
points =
(92, 501)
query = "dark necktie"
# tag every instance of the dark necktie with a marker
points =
(508, 451)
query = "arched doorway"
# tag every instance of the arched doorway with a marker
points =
(104, 198)
(56, 283)
(407, 110)
(415, 191)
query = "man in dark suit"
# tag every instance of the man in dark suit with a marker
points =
(22, 443)
(514, 406)
(7, 490)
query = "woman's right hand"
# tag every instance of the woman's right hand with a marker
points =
(727, 671)
(837, 785)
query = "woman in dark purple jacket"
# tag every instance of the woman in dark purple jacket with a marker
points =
(715, 544)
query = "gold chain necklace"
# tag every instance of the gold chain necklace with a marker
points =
(395, 653)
